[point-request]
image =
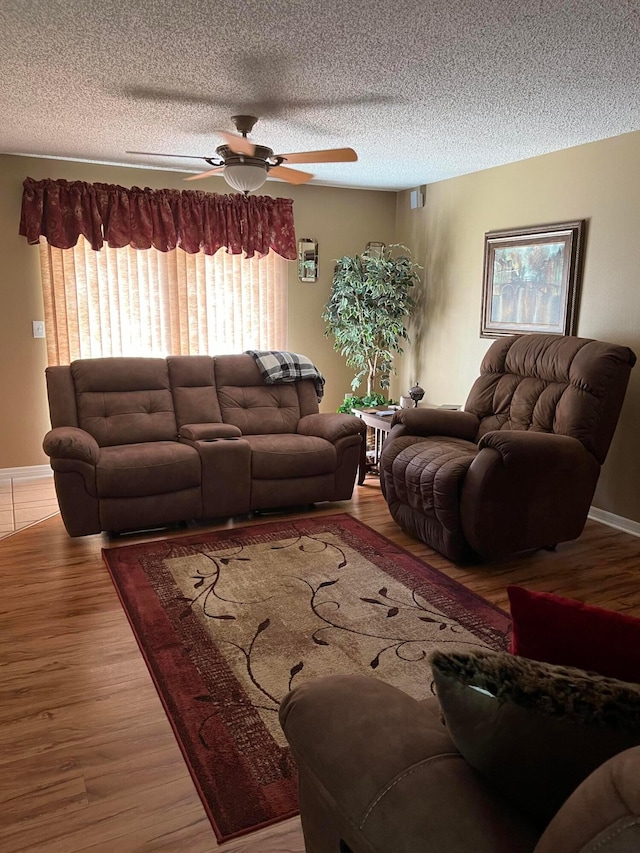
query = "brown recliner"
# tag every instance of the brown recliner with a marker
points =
(517, 469)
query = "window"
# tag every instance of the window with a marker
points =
(136, 302)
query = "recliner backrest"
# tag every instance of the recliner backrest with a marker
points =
(549, 383)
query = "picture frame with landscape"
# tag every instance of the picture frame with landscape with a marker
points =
(531, 279)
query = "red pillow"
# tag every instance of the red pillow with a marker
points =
(562, 631)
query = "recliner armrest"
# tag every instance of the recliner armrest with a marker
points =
(435, 422)
(526, 490)
(330, 426)
(71, 443)
(379, 771)
(602, 814)
(540, 449)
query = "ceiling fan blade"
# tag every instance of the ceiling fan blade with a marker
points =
(293, 176)
(328, 155)
(238, 144)
(208, 174)
(159, 154)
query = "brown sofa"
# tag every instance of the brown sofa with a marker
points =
(379, 773)
(517, 469)
(145, 442)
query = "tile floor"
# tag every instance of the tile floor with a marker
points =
(25, 501)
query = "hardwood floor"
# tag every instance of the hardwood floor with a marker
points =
(24, 501)
(88, 760)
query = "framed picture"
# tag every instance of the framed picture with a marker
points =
(531, 279)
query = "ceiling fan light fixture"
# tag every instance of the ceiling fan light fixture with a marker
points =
(245, 177)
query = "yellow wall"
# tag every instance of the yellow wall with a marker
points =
(599, 182)
(343, 221)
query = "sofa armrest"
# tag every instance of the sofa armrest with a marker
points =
(199, 432)
(330, 426)
(602, 814)
(434, 422)
(71, 443)
(376, 767)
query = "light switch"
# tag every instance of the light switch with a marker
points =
(38, 328)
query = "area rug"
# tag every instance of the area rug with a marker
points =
(229, 621)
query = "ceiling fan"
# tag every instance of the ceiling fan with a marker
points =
(245, 166)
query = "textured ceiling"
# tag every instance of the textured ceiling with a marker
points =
(422, 90)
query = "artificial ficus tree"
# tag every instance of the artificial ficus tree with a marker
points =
(370, 300)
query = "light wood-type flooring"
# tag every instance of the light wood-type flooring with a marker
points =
(24, 501)
(88, 760)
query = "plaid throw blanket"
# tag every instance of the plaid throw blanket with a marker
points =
(276, 366)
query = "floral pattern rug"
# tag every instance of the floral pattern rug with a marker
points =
(229, 621)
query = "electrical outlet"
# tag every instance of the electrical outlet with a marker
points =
(38, 328)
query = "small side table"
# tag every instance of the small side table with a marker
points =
(380, 426)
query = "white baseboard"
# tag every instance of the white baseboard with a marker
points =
(613, 520)
(26, 472)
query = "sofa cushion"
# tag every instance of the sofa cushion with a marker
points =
(281, 457)
(124, 400)
(250, 404)
(241, 371)
(153, 468)
(535, 731)
(260, 410)
(560, 630)
(194, 389)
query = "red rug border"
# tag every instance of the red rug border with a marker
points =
(150, 669)
(419, 565)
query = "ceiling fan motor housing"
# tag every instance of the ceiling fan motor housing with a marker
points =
(262, 156)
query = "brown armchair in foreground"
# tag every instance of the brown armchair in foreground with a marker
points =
(379, 772)
(517, 469)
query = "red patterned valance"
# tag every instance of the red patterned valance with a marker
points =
(192, 220)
